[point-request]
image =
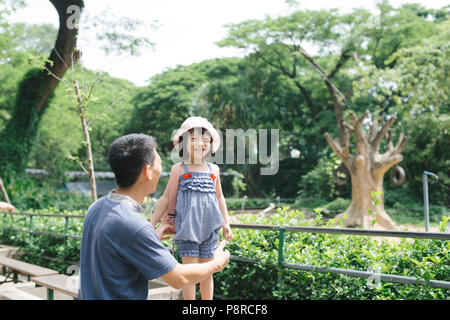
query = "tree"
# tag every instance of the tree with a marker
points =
(36, 89)
(38, 85)
(346, 44)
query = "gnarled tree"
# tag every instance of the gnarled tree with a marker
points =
(366, 167)
(36, 89)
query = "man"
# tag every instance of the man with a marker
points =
(120, 249)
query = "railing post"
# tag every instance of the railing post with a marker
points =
(30, 244)
(280, 253)
(66, 229)
(243, 202)
(50, 294)
(66, 234)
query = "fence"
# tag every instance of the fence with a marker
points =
(281, 236)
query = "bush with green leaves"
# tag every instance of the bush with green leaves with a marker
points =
(319, 182)
(420, 258)
(53, 252)
(26, 193)
(249, 203)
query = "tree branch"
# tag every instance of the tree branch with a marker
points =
(305, 93)
(106, 110)
(341, 151)
(401, 143)
(381, 134)
(373, 128)
(322, 73)
(303, 90)
(361, 140)
(342, 59)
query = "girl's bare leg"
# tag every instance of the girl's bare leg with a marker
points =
(189, 291)
(206, 285)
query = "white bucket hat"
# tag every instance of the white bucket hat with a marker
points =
(198, 122)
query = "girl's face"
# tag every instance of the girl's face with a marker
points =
(198, 145)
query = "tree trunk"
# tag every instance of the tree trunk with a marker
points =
(367, 168)
(35, 92)
(87, 142)
(363, 183)
(64, 54)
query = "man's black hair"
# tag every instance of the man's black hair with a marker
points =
(127, 156)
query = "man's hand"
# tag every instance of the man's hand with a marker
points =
(5, 207)
(221, 256)
(189, 274)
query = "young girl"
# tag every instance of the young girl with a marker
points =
(196, 205)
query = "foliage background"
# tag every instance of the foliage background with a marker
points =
(402, 69)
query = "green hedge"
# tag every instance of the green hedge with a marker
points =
(53, 252)
(424, 259)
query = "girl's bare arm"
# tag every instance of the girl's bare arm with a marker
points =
(222, 205)
(169, 197)
(173, 187)
(161, 207)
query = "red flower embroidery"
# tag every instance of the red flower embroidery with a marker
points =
(188, 175)
(213, 176)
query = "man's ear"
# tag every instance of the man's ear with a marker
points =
(147, 171)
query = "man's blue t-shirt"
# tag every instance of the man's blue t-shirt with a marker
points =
(120, 251)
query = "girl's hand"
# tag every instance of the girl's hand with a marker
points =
(227, 234)
(164, 230)
(169, 219)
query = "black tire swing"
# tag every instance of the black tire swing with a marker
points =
(338, 173)
(397, 176)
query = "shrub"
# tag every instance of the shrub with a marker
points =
(250, 203)
(49, 251)
(319, 182)
(27, 193)
(420, 258)
(424, 259)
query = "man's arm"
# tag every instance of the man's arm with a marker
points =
(188, 274)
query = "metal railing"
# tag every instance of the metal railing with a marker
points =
(281, 237)
(347, 231)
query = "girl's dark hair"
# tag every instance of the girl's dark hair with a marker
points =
(127, 156)
(181, 138)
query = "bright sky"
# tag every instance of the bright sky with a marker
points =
(189, 28)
